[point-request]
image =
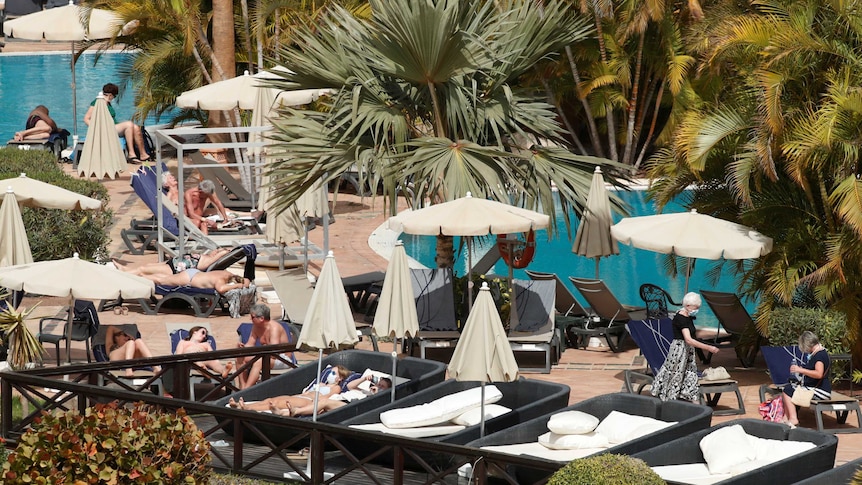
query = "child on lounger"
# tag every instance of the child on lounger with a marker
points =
(197, 341)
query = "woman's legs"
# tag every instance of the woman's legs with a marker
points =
(789, 409)
(134, 139)
(151, 269)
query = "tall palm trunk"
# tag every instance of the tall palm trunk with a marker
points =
(224, 54)
(588, 112)
(445, 252)
(633, 104)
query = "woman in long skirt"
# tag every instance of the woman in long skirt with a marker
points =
(677, 378)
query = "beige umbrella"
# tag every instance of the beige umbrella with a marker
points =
(35, 193)
(65, 23)
(396, 308)
(483, 352)
(14, 246)
(692, 235)
(76, 279)
(593, 239)
(241, 92)
(102, 155)
(329, 320)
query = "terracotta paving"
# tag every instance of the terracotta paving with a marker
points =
(588, 372)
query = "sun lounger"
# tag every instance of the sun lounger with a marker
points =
(56, 143)
(840, 475)
(143, 376)
(778, 361)
(535, 331)
(733, 457)
(610, 313)
(229, 191)
(685, 417)
(654, 337)
(435, 306)
(525, 399)
(203, 301)
(736, 321)
(418, 374)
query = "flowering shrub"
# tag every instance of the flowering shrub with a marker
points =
(110, 444)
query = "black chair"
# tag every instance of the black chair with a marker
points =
(85, 324)
(656, 300)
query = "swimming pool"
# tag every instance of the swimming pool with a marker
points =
(28, 80)
(623, 273)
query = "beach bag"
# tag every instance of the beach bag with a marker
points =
(772, 410)
(802, 397)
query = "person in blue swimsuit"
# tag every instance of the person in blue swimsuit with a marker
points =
(126, 129)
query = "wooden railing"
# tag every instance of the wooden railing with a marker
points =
(253, 453)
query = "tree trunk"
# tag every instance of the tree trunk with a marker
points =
(445, 252)
(224, 56)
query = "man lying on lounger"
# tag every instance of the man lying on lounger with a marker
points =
(220, 280)
(264, 331)
(200, 261)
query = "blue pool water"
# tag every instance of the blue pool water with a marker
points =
(623, 273)
(33, 79)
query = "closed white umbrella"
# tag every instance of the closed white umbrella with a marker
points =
(329, 320)
(593, 239)
(102, 155)
(483, 352)
(692, 235)
(76, 279)
(66, 23)
(14, 246)
(396, 315)
(35, 193)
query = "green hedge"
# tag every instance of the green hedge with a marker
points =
(786, 324)
(606, 469)
(54, 233)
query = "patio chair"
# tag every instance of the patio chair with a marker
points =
(435, 306)
(535, 331)
(56, 142)
(85, 324)
(143, 377)
(610, 316)
(656, 300)
(778, 361)
(180, 331)
(734, 318)
(229, 191)
(653, 337)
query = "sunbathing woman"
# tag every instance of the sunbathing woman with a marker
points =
(39, 125)
(122, 346)
(220, 280)
(303, 404)
(197, 341)
(177, 264)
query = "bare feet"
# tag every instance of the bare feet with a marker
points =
(233, 403)
(227, 368)
(130, 373)
(120, 266)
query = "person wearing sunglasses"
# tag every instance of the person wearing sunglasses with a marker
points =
(197, 342)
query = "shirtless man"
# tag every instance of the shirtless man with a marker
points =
(177, 264)
(264, 331)
(220, 280)
(196, 199)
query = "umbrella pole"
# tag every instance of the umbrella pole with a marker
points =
(317, 387)
(482, 419)
(74, 98)
(687, 274)
(394, 368)
(597, 267)
(469, 273)
(70, 317)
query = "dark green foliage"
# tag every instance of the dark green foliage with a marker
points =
(53, 233)
(111, 444)
(786, 324)
(607, 469)
(499, 291)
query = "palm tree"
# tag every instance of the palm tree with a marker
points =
(778, 148)
(428, 95)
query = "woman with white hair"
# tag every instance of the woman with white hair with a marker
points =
(677, 378)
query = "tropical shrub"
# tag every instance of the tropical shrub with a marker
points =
(108, 443)
(54, 233)
(499, 291)
(786, 324)
(607, 469)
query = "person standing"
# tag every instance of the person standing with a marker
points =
(127, 129)
(677, 378)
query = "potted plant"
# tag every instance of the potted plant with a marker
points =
(22, 345)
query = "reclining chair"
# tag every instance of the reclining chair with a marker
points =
(611, 315)
(534, 301)
(734, 318)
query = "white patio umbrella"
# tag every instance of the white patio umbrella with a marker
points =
(102, 155)
(14, 246)
(692, 235)
(593, 239)
(76, 279)
(241, 92)
(35, 193)
(65, 23)
(483, 352)
(396, 315)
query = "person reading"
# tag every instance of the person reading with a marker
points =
(196, 199)
(132, 133)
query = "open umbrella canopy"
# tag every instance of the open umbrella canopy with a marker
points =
(396, 309)
(241, 92)
(593, 239)
(329, 321)
(468, 216)
(102, 155)
(483, 352)
(692, 235)
(14, 246)
(63, 24)
(35, 193)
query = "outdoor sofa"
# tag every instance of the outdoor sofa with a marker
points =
(730, 450)
(840, 475)
(523, 438)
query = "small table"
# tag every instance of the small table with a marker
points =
(710, 392)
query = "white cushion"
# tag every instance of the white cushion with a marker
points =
(693, 473)
(621, 427)
(747, 466)
(537, 450)
(474, 416)
(727, 447)
(423, 432)
(572, 422)
(770, 451)
(440, 410)
(650, 427)
(556, 441)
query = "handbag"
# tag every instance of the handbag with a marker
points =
(802, 396)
